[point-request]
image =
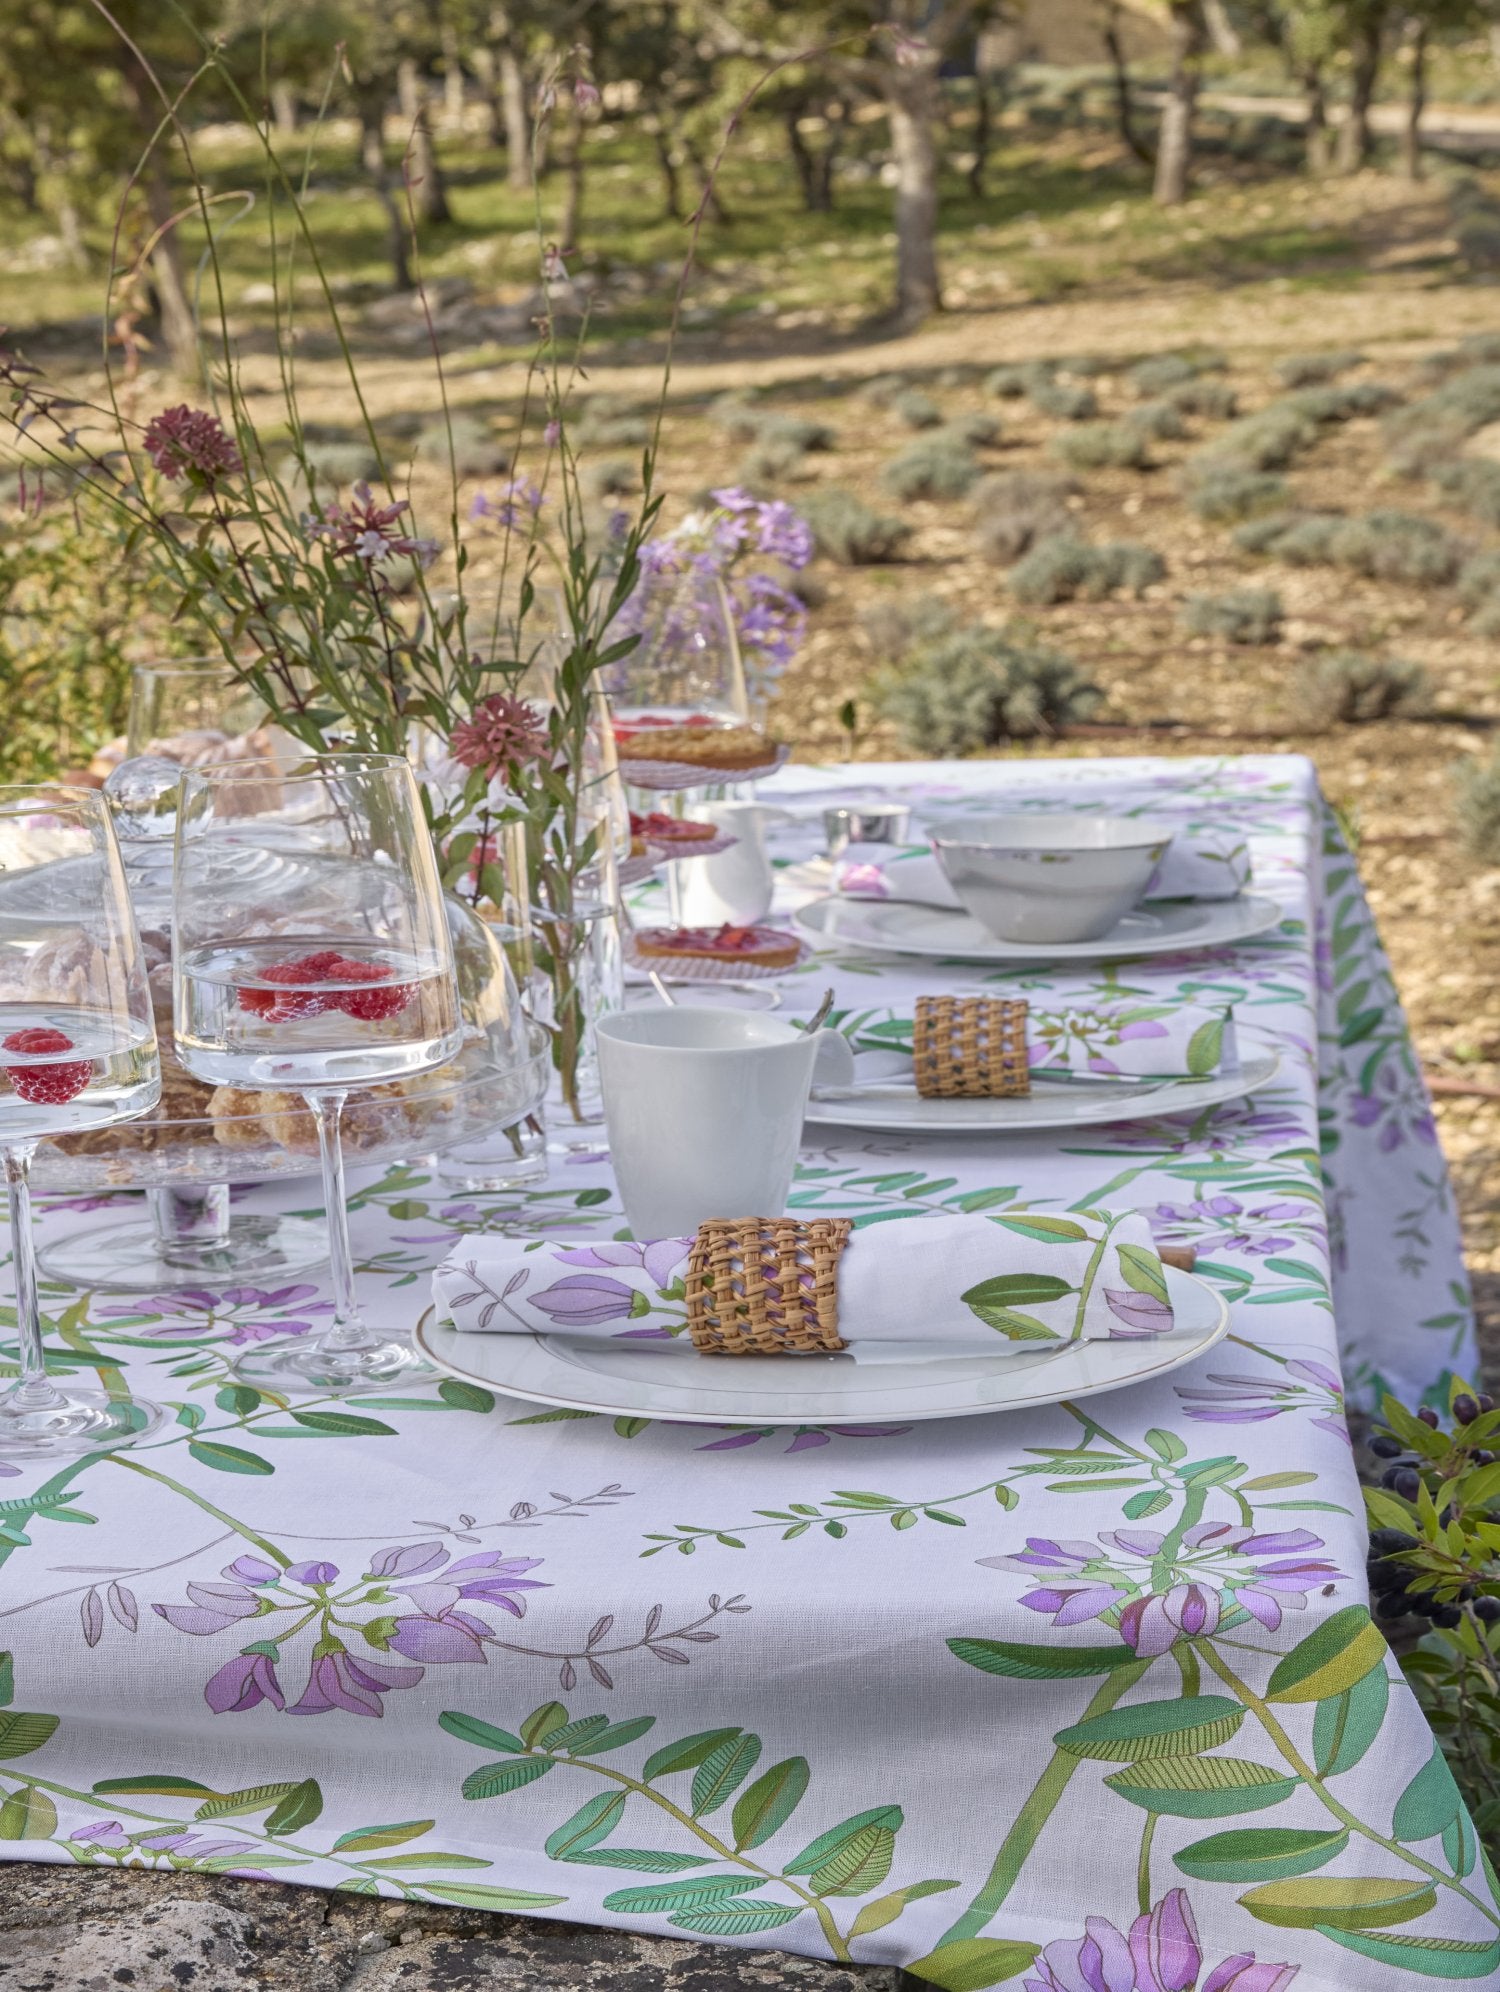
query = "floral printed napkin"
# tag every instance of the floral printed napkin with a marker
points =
(1199, 864)
(959, 1286)
(1145, 1040)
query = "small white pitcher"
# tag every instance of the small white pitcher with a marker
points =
(735, 886)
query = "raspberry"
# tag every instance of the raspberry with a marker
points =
(46, 1085)
(279, 1009)
(374, 1005)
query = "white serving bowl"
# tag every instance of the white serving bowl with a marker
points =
(1059, 877)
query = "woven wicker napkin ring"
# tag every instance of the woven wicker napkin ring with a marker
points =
(970, 1048)
(766, 1286)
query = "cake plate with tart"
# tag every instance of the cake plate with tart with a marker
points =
(186, 1162)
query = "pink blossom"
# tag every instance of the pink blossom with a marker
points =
(499, 732)
(585, 93)
(189, 442)
(367, 530)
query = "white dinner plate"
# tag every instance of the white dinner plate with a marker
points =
(1084, 1105)
(686, 1388)
(889, 926)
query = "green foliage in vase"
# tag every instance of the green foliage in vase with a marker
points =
(969, 688)
(320, 600)
(1435, 1557)
(937, 465)
(1242, 615)
(1351, 687)
(1013, 509)
(1066, 568)
(851, 532)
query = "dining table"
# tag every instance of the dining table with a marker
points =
(1084, 1697)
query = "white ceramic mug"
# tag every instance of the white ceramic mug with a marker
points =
(704, 1109)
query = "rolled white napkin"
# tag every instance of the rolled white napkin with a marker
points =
(967, 1286)
(1144, 1040)
(1199, 864)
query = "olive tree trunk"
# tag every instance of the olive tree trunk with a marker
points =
(371, 100)
(1354, 132)
(174, 311)
(429, 194)
(1416, 103)
(1174, 145)
(1119, 68)
(911, 100)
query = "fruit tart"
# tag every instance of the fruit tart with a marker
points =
(679, 832)
(723, 749)
(751, 947)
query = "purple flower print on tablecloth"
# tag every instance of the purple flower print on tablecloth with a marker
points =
(242, 1683)
(242, 1314)
(1217, 1219)
(1229, 1398)
(441, 1625)
(1162, 1953)
(1397, 1105)
(339, 1681)
(1220, 1576)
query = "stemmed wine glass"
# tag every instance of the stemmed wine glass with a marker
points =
(340, 975)
(77, 1051)
(185, 712)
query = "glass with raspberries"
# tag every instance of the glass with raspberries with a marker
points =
(77, 1051)
(311, 953)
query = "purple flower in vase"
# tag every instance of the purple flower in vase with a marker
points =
(583, 1302)
(339, 1681)
(243, 1683)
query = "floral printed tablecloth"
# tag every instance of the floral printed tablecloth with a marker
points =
(1085, 1701)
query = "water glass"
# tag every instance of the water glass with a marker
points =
(77, 1052)
(337, 973)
